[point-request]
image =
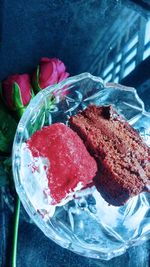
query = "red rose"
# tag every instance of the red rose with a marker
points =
(48, 72)
(17, 92)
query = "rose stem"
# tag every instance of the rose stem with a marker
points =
(15, 232)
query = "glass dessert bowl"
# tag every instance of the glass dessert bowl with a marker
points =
(86, 224)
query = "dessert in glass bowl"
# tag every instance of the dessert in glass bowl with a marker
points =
(82, 224)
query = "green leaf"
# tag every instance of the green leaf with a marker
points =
(37, 87)
(3, 176)
(7, 163)
(7, 129)
(32, 93)
(16, 97)
(4, 143)
(20, 112)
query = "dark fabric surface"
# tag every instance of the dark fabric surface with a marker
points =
(66, 29)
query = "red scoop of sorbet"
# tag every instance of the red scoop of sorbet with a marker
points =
(70, 162)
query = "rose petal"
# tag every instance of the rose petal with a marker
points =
(63, 76)
(60, 66)
(46, 70)
(25, 88)
(48, 74)
(23, 81)
(45, 59)
(51, 71)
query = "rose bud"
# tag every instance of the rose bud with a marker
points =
(48, 72)
(17, 92)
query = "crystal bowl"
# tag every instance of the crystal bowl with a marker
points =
(86, 225)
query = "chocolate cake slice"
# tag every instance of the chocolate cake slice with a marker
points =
(123, 158)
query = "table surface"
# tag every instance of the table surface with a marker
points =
(68, 30)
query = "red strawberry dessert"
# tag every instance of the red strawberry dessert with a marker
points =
(70, 166)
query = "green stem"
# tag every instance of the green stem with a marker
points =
(15, 233)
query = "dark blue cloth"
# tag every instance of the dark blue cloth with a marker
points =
(66, 29)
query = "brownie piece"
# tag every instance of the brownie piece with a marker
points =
(70, 167)
(123, 158)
